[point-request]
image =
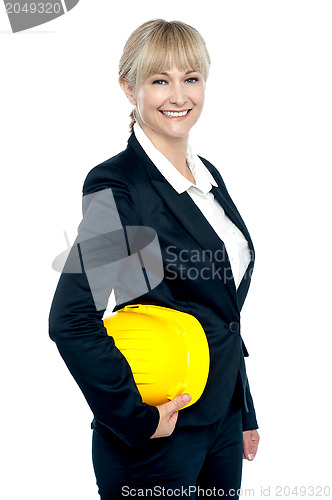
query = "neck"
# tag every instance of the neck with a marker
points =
(173, 148)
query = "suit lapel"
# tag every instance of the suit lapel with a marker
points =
(220, 193)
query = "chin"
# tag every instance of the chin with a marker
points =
(177, 133)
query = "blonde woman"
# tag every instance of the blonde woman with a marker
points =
(208, 256)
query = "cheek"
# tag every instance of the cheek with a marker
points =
(200, 97)
(149, 100)
(197, 96)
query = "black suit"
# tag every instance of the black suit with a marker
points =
(202, 286)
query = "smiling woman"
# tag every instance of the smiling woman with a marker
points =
(159, 182)
(164, 78)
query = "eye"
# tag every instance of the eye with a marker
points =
(192, 80)
(159, 82)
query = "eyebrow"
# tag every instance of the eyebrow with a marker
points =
(187, 72)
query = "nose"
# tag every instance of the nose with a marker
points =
(178, 95)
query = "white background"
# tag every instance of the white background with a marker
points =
(266, 126)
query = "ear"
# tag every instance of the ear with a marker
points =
(128, 90)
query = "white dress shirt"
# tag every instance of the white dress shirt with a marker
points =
(236, 245)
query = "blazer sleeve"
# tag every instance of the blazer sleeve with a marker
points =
(249, 421)
(75, 325)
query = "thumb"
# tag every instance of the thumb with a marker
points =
(178, 402)
(248, 445)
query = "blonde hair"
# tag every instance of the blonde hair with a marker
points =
(156, 46)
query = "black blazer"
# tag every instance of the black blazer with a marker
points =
(144, 198)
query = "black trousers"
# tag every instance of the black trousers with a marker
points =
(194, 462)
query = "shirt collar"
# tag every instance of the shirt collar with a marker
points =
(203, 178)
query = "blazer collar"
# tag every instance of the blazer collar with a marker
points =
(203, 177)
(189, 215)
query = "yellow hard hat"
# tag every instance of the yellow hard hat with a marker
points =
(166, 349)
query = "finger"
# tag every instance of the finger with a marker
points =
(247, 449)
(248, 454)
(251, 445)
(177, 403)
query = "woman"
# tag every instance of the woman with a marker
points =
(158, 182)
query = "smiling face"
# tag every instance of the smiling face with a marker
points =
(169, 104)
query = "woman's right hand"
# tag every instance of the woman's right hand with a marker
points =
(168, 413)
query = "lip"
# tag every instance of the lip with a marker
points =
(175, 111)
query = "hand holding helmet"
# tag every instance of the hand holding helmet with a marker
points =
(169, 415)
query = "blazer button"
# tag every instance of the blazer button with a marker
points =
(234, 327)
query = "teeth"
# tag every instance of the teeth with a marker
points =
(174, 113)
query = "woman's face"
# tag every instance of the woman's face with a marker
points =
(170, 103)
